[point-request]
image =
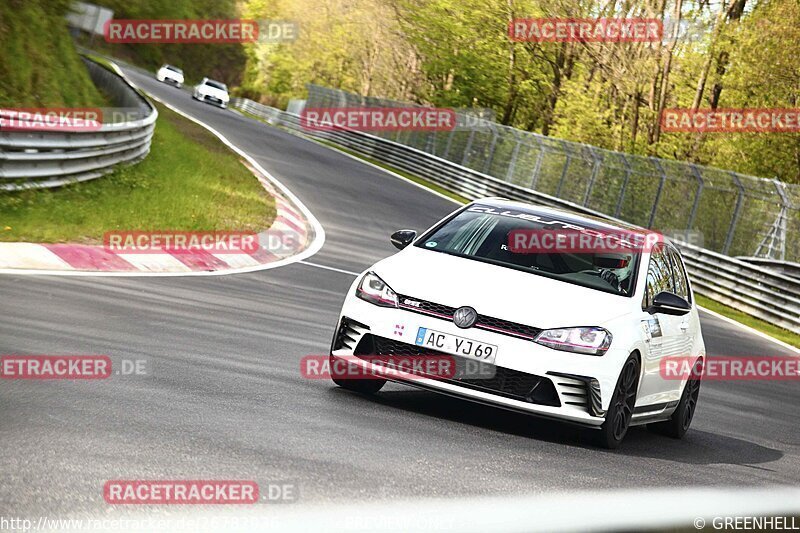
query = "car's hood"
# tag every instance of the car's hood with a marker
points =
(498, 291)
(211, 91)
(171, 74)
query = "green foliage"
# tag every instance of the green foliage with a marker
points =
(766, 73)
(225, 62)
(38, 64)
(457, 53)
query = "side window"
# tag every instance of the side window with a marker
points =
(659, 275)
(679, 273)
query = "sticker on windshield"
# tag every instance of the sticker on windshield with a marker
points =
(431, 244)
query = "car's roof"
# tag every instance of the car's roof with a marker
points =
(563, 215)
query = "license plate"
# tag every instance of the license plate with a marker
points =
(453, 344)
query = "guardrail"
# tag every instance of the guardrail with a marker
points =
(738, 214)
(45, 159)
(757, 291)
(781, 267)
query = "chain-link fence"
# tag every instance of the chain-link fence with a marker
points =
(736, 214)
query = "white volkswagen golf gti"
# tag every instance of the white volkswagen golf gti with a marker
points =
(579, 337)
(213, 92)
(170, 74)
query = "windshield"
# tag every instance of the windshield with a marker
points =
(216, 85)
(486, 234)
(173, 69)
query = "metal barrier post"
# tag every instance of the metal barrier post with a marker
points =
(595, 170)
(624, 187)
(449, 142)
(538, 166)
(467, 149)
(696, 204)
(658, 191)
(512, 165)
(490, 158)
(564, 171)
(736, 212)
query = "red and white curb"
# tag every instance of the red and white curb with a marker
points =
(292, 218)
(289, 221)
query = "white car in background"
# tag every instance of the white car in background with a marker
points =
(170, 74)
(213, 92)
(578, 337)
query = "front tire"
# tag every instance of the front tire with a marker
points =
(364, 386)
(678, 424)
(618, 417)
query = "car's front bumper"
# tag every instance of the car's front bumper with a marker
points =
(212, 100)
(579, 385)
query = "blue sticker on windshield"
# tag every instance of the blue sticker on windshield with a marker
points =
(431, 244)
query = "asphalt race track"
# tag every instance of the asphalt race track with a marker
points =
(223, 397)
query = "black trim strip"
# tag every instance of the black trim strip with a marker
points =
(654, 407)
(419, 385)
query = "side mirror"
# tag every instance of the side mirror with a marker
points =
(403, 237)
(669, 304)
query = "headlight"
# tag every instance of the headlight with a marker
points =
(591, 341)
(375, 291)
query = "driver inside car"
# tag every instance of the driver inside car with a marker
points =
(614, 269)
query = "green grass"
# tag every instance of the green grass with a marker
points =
(765, 327)
(39, 66)
(102, 61)
(190, 181)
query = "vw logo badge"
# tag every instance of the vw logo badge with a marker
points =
(465, 317)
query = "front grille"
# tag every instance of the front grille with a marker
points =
(498, 325)
(425, 307)
(505, 381)
(507, 327)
